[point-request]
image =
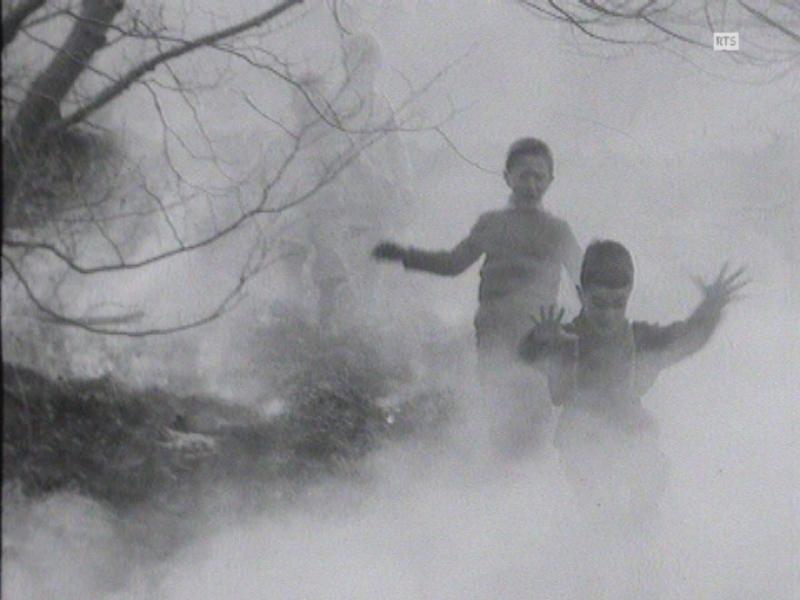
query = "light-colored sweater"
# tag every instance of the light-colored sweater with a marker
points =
(524, 248)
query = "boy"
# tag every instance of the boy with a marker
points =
(525, 248)
(600, 366)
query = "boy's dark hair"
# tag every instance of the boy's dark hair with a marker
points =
(607, 263)
(528, 145)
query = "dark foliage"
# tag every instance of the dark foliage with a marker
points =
(128, 448)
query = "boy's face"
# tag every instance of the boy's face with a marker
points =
(604, 307)
(529, 177)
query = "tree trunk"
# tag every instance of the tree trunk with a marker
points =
(15, 18)
(88, 35)
(22, 147)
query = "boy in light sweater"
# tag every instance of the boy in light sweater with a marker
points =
(525, 249)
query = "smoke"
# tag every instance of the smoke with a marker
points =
(444, 519)
(64, 546)
(680, 167)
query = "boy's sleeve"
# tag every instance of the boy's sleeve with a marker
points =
(667, 345)
(571, 254)
(449, 262)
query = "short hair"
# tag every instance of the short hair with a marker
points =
(528, 146)
(607, 263)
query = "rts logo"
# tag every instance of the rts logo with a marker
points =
(726, 42)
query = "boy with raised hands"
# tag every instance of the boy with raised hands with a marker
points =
(600, 366)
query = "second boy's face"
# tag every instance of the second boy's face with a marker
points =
(604, 307)
(529, 177)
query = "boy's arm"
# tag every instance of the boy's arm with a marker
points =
(562, 373)
(551, 343)
(559, 358)
(675, 342)
(446, 262)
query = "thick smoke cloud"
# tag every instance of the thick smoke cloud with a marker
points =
(687, 169)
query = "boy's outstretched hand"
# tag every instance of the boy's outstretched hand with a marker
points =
(724, 288)
(547, 328)
(388, 251)
(546, 337)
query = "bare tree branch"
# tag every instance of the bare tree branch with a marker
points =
(122, 319)
(369, 136)
(771, 22)
(111, 92)
(687, 22)
(42, 104)
(83, 231)
(13, 22)
(96, 325)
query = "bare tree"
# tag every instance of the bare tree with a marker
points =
(38, 118)
(769, 29)
(75, 201)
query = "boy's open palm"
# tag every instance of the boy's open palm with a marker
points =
(724, 288)
(547, 328)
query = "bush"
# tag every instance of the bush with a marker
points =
(177, 459)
